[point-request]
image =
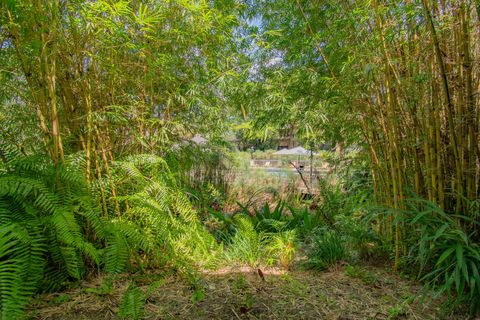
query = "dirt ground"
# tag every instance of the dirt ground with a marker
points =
(343, 293)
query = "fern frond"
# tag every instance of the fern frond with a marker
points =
(21, 268)
(133, 303)
(116, 253)
(44, 212)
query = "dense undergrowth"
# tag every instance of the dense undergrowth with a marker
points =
(57, 228)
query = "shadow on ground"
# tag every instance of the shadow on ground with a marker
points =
(343, 293)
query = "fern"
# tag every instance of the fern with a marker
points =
(248, 246)
(159, 214)
(133, 303)
(116, 253)
(21, 266)
(44, 213)
(52, 229)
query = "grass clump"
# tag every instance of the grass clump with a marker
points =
(282, 247)
(327, 249)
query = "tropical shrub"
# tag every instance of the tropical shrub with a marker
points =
(304, 221)
(267, 220)
(283, 217)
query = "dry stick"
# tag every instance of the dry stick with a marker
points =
(271, 311)
(301, 177)
(235, 314)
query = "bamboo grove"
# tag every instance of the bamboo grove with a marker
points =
(95, 96)
(421, 117)
(114, 77)
(401, 75)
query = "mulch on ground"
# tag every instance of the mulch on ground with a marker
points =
(242, 293)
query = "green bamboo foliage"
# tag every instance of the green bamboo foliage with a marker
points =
(116, 77)
(401, 76)
(421, 120)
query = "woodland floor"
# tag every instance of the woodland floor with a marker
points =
(342, 293)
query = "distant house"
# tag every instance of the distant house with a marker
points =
(286, 143)
(287, 139)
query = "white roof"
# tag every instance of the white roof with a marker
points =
(198, 139)
(293, 151)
